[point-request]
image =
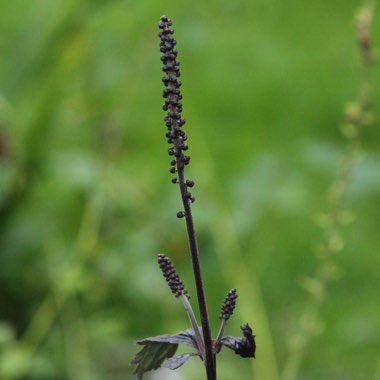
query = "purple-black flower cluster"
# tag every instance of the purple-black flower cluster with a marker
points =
(171, 276)
(229, 304)
(175, 135)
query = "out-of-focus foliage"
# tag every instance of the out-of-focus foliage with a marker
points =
(86, 201)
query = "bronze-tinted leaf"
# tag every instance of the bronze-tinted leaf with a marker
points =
(158, 348)
(152, 356)
(184, 337)
(178, 360)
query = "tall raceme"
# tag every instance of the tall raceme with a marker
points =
(175, 135)
(172, 94)
(159, 351)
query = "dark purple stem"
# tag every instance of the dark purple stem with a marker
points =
(210, 358)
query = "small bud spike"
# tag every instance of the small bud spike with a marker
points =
(171, 276)
(229, 304)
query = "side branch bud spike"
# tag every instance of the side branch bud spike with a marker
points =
(229, 304)
(174, 281)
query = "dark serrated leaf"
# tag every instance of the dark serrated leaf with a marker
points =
(184, 337)
(152, 356)
(245, 346)
(178, 360)
(158, 348)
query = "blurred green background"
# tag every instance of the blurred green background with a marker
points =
(86, 201)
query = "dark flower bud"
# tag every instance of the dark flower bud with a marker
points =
(229, 304)
(189, 183)
(172, 170)
(175, 180)
(180, 214)
(169, 65)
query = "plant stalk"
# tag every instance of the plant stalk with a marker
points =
(221, 330)
(210, 357)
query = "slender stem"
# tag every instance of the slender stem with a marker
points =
(193, 320)
(210, 358)
(221, 330)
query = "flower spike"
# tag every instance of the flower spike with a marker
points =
(174, 281)
(172, 95)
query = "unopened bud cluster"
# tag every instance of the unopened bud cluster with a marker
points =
(246, 348)
(228, 305)
(176, 137)
(171, 276)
